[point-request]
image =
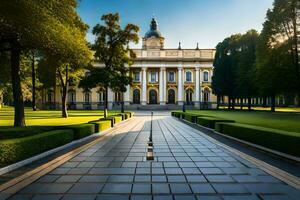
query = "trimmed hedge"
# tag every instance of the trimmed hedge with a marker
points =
(110, 119)
(123, 115)
(82, 130)
(130, 114)
(211, 121)
(18, 132)
(14, 150)
(101, 125)
(177, 114)
(284, 141)
(118, 118)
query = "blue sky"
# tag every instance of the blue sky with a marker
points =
(188, 21)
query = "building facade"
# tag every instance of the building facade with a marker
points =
(162, 77)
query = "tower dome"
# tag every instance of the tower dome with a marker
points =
(153, 38)
(153, 32)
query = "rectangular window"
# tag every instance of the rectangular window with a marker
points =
(171, 77)
(136, 77)
(188, 76)
(153, 77)
(205, 76)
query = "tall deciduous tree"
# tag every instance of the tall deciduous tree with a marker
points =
(225, 65)
(50, 26)
(111, 51)
(245, 73)
(275, 74)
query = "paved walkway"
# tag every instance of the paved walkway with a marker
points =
(188, 165)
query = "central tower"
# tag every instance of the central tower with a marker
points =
(153, 38)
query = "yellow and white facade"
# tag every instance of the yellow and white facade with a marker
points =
(161, 76)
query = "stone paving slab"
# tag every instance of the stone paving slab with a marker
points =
(187, 165)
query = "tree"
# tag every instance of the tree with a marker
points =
(283, 18)
(111, 51)
(245, 72)
(225, 64)
(50, 26)
(276, 69)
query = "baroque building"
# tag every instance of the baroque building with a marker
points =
(165, 77)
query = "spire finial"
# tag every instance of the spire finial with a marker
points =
(179, 46)
(197, 45)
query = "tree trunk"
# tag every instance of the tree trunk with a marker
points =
(106, 102)
(33, 82)
(273, 103)
(122, 103)
(242, 103)
(218, 101)
(249, 103)
(64, 112)
(229, 103)
(19, 119)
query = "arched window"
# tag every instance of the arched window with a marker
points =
(87, 96)
(206, 95)
(71, 96)
(152, 96)
(189, 96)
(101, 96)
(118, 96)
(136, 96)
(205, 76)
(188, 76)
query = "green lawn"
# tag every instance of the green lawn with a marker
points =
(278, 120)
(50, 117)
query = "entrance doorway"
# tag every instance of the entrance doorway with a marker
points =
(152, 97)
(136, 96)
(171, 96)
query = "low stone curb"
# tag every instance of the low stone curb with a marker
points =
(30, 160)
(282, 155)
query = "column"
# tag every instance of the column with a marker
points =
(144, 86)
(110, 98)
(127, 96)
(165, 94)
(161, 95)
(197, 88)
(180, 86)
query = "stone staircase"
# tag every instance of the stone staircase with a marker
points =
(153, 107)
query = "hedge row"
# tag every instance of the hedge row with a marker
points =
(287, 142)
(14, 150)
(25, 145)
(284, 141)
(210, 122)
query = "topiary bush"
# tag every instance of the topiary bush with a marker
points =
(211, 121)
(14, 150)
(284, 141)
(111, 119)
(82, 130)
(130, 114)
(118, 118)
(101, 125)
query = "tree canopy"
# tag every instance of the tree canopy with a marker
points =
(113, 55)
